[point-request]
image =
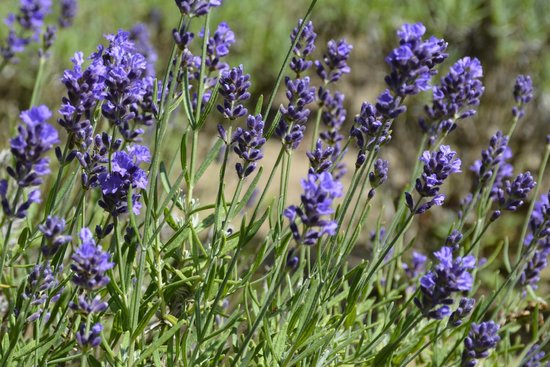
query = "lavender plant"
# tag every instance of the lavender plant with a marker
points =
(114, 253)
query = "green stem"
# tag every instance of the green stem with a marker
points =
(38, 81)
(316, 128)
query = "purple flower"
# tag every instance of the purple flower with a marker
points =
(380, 173)
(437, 287)
(333, 112)
(234, 86)
(537, 263)
(334, 62)
(494, 161)
(304, 47)
(523, 94)
(454, 239)
(539, 223)
(68, 12)
(295, 115)
(125, 175)
(196, 8)
(533, 357)
(370, 131)
(89, 306)
(29, 21)
(218, 46)
(93, 339)
(320, 158)
(413, 62)
(511, 196)
(85, 88)
(454, 97)
(28, 148)
(465, 307)
(320, 190)
(438, 166)
(90, 263)
(480, 340)
(53, 229)
(41, 283)
(248, 145)
(418, 264)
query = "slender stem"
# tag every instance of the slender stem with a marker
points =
(38, 81)
(316, 128)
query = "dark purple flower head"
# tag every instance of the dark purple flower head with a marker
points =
(533, 357)
(334, 113)
(304, 47)
(125, 175)
(454, 97)
(448, 277)
(454, 239)
(88, 306)
(90, 263)
(379, 175)
(494, 159)
(523, 94)
(41, 283)
(247, 144)
(537, 263)
(295, 115)
(412, 63)
(438, 166)
(539, 224)
(480, 340)
(370, 131)
(319, 192)
(334, 62)
(320, 158)
(85, 88)
(465, 307)
(182, 38)
(513, 194)
(418, 264)
(48, 38)
(233, 88)
(196, 8)
(218, 46)
(68, 12)
(93, 339)
(52, 229)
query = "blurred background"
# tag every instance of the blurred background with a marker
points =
(508, 36)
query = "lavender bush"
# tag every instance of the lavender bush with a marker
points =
(109, 256)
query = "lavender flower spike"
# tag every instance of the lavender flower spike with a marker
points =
(480, 340)
(319, 192)
(52, 229)
(304, 47)
(465, 307)
(523, 94)
(68, 12)
(438, 166)
(512, 195)
(196, 8)
(248, 145)
(437, 287)
(234, 86)
(90, 263)
(334, 62)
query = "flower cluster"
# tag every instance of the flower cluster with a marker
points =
(68, 12)
(493, 162)
(52, 229)
(523, 94)
(417, 266)
(125, 175)
(538, 239)
(320, 190)
(465, 307)
(437, 287)
(438, 166)
(41, 282)
(218, 46)
(36, 137)
(24, 27)
(196, 8)
(412, 63)
(291, 128)
(533, 357)
(334, 61)
(304, 47)
(454, 97)
(320, 158)
(333, 115)
(234, 86)
(89, 266)
(248, 145)
(511, 196)
(370, 131)
(480, 340)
